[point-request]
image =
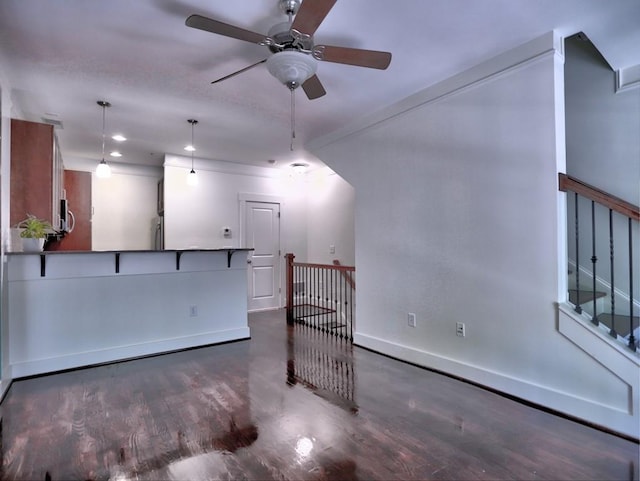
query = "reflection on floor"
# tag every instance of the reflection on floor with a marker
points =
(323, 363)
(289, 404)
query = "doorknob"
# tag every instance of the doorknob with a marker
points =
(248, 261)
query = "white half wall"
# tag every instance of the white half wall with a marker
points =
(83, 312)
(458, 219)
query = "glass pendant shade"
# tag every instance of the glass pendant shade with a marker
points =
(103, 170)
(192, 178)
(292, 68)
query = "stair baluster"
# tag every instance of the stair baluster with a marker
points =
(594, 260)
(612, 329)
(632, 338)
(578, 308)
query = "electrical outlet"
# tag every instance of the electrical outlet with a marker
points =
(460, 331)
(193, 311)
(411, 319)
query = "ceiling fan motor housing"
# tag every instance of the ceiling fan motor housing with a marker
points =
(284, 39)
(289, 7)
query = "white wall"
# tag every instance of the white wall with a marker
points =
(330, 204)
(603, 126)
(5, 156)
(124, 207)
(195, 215)
(8, 110)
(458, 219)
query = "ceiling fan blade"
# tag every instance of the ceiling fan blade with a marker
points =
(310, 15)
(239, 71)
(221, 28)
(313, 88)
(352, 56)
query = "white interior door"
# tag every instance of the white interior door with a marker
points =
(263, 234)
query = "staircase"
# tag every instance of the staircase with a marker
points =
(602, 273)
(585, 299)
(618, 324)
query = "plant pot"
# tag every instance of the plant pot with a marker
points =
(32, 244)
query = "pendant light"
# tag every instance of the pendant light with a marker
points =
(103, 170)
(192, 178)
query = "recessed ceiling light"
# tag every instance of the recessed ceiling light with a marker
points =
(119, 138)
(299, 167)
(115, 153)
(190, 148)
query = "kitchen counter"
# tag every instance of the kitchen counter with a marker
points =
(222, 249)
(119, 253)
(69, 309)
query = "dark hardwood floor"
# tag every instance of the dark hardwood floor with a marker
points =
(288, 405)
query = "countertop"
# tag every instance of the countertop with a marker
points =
(222, 249)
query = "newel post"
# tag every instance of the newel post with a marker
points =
(290, 258)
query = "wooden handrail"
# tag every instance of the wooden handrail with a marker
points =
(568, 183)
(325, 266)
(346, 274)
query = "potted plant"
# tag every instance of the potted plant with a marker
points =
(33, 232)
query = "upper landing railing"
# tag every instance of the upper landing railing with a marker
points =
(321, 296)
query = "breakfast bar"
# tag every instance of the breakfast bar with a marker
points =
(69, 309)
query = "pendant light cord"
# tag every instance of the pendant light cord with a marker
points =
(293, 117)
(192, 146)
(104, 108)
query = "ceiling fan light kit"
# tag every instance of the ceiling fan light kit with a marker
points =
(291, 68)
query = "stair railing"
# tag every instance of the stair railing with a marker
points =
(621, 208)
(321, 296)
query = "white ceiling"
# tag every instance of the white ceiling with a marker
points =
(61, 56)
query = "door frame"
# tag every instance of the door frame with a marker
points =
(243, 198)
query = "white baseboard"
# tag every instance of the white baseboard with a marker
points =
(4, 386)
(616, 418)
(88, 358)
